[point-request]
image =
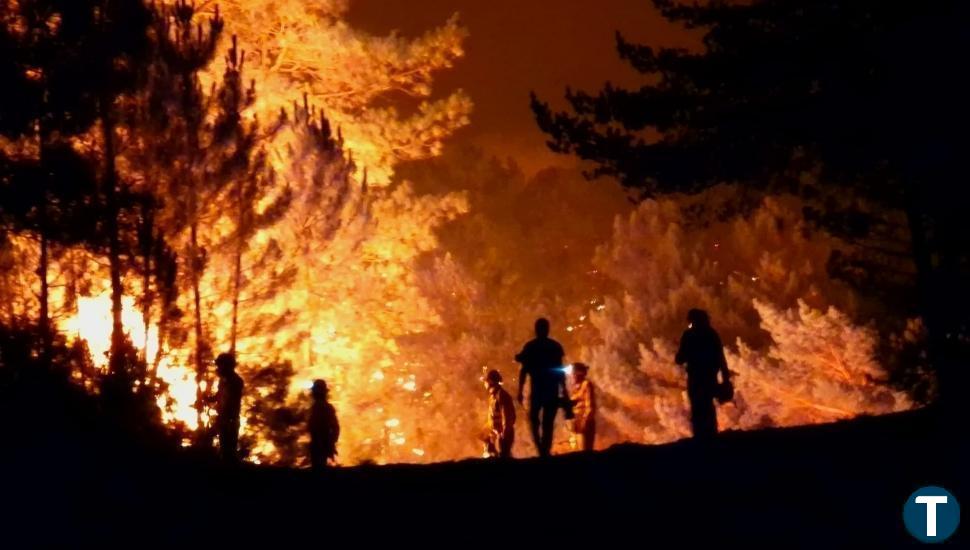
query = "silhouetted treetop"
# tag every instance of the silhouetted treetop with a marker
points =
(848, 83)
(858, 105)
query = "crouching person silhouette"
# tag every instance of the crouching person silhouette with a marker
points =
(323, 426)
(703, 355)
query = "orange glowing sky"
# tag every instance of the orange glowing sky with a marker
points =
(520, 45)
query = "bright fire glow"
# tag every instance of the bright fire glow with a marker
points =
(345, 307)
(92, 323)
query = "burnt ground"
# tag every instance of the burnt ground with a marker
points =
(837, 485)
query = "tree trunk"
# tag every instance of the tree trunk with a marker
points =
(194, 185)
(147, 245)
(110, 181)
(197, 302)
(43, 267)
(45, 322)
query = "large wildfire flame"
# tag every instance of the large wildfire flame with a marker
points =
(365, 83)
(401, 344)
(92, 323)
(349, 296)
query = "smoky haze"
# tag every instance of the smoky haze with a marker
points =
(516, 46)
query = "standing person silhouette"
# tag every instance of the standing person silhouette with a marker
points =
(501, 417)
(703, 355)
(541, 360)
(228, 406)
(323, 426)
(584, 407)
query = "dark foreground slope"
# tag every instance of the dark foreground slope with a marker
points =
(840, 485)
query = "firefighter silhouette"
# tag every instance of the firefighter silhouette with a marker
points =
(703, 355)
(323, 426)
(583, 399)
(500, 429)
(228, 406)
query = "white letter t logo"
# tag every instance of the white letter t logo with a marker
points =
(931, 503)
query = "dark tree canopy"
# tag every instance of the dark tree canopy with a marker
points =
(63, 209)
(61, 57)
(852, 84)
(63, 64)
(867, 96)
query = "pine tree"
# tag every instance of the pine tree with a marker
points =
(222, 193)
(258, 200)
(794, 336)
(114, 45)
(227, 191)
(865, 90)
(58, 213)
(161, 122)
(365, 83)
(171, 150)
(48, 100)
(222, 176)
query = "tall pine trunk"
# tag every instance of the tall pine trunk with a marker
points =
(195, 261)
(197, 313)
(147, 243)
(195, 186)
(43, 266)
(45, 322)
(110, 182)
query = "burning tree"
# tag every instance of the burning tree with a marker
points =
(318, 266)
(333, 262)
(830, 362)
(783, 89)
(759, 268)
(253, 208)
(73, 64)
(172, 150)
(67, 64)
(295, 46)
(225, 203)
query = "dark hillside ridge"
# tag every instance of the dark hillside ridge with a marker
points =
(836, 485)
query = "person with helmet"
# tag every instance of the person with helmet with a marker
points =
(500, 431)
(702, 353)
(583, 400)
(228, 406)
(323, 426)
